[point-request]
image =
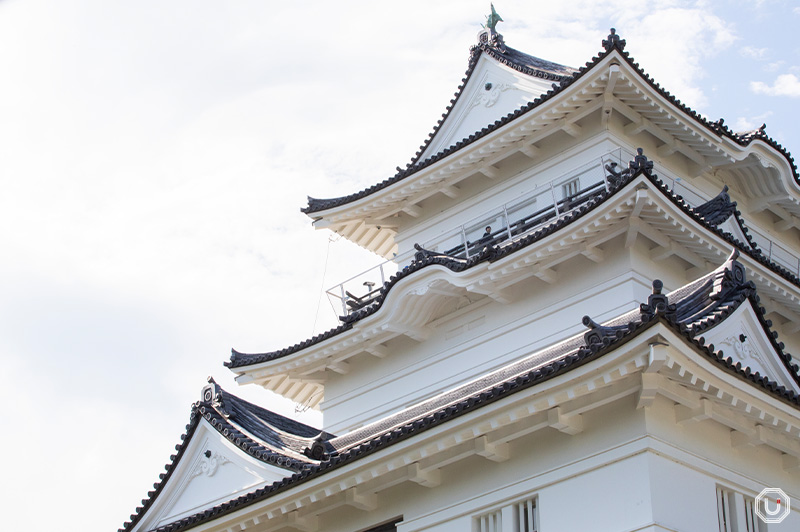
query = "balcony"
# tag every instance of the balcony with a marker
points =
(514, 220)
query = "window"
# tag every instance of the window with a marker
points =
(391, 526)
(526, 516)
(570, 188)
(491, 522)
(736, 512)
(522, 516)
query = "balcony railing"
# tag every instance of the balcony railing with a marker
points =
(514, 220)
(511, 221)
(773, 250)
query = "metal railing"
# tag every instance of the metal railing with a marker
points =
(773, 250)
(511, 221)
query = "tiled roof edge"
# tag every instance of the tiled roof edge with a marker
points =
(572, 360)
(493, 254)
(194, 421)
(316, 204)
(750, 248)
(719, 128)
(792, 367)
(490, 254)
(205, 410)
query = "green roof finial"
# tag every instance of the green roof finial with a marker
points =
(492, 20)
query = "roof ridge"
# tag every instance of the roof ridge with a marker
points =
(415, 165)
(726, 282)
(495, 253)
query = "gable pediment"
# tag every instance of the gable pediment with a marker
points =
(492, 92)
(211, 471)
(743, 338)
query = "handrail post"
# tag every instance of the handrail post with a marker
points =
(508, 221)
(464, 239)
(555, 201)
(605, 176)
(770, 250)
(344, 303)
(383, 277)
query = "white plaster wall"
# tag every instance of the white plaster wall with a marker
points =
(481, 340)
(629, 470)
(478, 107)
(563, 162)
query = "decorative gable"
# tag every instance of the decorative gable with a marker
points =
(743, 338)
(210, 472)
(493, 91)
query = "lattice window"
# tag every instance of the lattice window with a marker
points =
(526, 516)
(522, 516)
(736, 512)
(491, 522)
(570, 188)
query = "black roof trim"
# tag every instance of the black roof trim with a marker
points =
(421, 261)
(688, 310)
(415, 165)
(492, 254)
(718, 209)
(220, 408)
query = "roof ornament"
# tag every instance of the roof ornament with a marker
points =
(657, 303)
(640, 162)
(492, 19)
(718, 209)
(210, 391)
(602, 335)
(613, 41)
(728, 276)
(317, 450)
(488, 35)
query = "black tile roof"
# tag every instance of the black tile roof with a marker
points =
(718, 209)
(689, 311)
(708, 216)
(261, 433)
(566, 76)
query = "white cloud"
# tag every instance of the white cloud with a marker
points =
(743, 124)
(785, 85)
(753, 52)
(775, 66)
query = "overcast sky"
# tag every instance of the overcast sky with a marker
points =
(154, 156)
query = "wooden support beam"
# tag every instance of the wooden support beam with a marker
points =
(593, 253)
(429, 478)
(362, 501)
(530, 151)
(572, 129)
(744, 439)
(659, 253)
(568, 424)
(650, 386)
(339, 366)
(451, 191)
(791, 463)
(633, 231)
(547, 275)
(490, 171)
(496, 452)
(685, 415)
(378, 350)
(634, 128)
(667, 149)
(307, 523)
(412, 210)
